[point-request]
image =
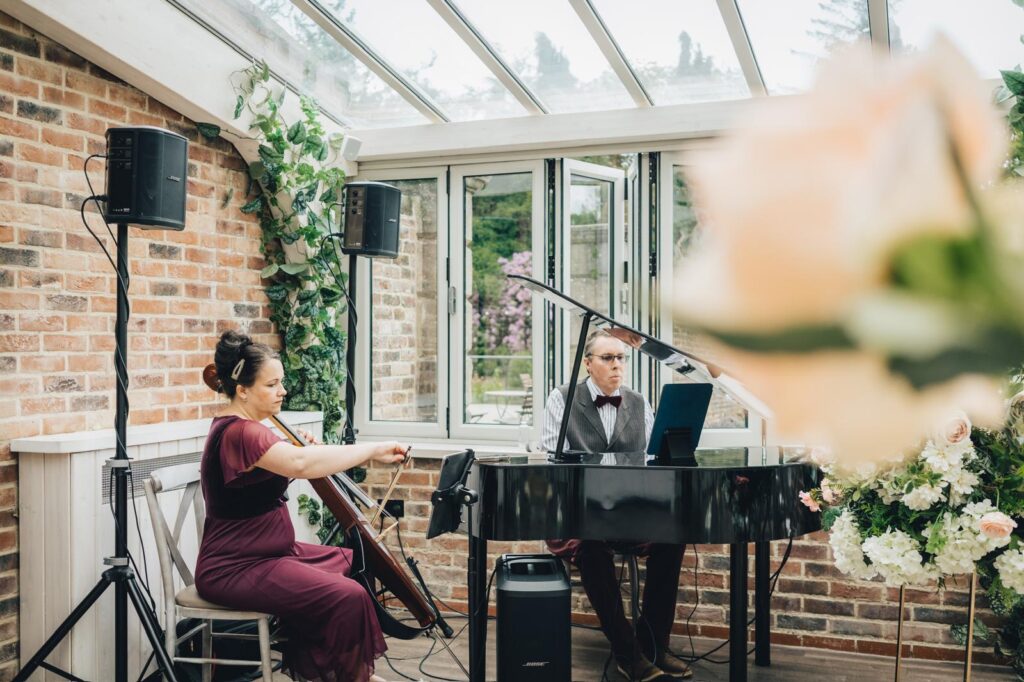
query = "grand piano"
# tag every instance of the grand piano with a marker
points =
(736, 497)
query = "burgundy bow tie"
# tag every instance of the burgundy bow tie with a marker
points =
(613, 400)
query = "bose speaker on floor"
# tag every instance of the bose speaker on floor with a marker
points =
(533, 639)
(147, 171)
(371, 219)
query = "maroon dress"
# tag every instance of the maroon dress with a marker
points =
(249, 560)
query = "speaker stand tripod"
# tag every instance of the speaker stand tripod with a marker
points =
(120, 573)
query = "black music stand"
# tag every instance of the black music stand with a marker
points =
(451, 495)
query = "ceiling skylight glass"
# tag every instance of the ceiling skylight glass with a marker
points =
(683, 56)
(413, 39)
(789, 44)
(548, 47)
(294, 46)
(986, 31)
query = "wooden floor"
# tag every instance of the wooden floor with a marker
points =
(789, 664)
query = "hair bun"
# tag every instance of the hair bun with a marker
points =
(211, 379)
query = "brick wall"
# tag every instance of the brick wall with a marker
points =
(404, 314)
(57, 290)
(813, 604)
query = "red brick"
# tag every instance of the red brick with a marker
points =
(84, 83)
(73, 141)
(23, 129)
(18, 86)
(86, 123)
(107, 110)
(31, 406)
(42, 364)
(41, 155)
(39, 71)
(40, 322)
(65, 342)
(63, 98)
(65, 423)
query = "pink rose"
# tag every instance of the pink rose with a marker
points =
(828, 494)
(957, 429)
(809, 502)
(996, 524)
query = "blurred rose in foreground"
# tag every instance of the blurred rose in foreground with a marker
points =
(862, 270)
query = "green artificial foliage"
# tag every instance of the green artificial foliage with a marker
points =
(320, 518)
(1012, 95)
(295, 190)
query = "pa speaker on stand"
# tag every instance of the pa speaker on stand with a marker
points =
(147, 174)
(371, 219)
(146, 186)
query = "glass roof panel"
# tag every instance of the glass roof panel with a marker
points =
(547, 46)
(986, 31)
(294, 46)
(788, 45)
(416, 41)
(684, 56)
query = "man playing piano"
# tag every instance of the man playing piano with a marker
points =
(607, 417)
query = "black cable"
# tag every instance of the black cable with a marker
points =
(431, 652)
(774, 579)
(396, 670)
(401, 550)
(144, 576)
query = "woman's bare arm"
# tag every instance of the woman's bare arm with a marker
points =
(317, 461)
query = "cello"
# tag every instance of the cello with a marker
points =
(339, 494)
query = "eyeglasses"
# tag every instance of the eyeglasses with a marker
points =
(609, 359)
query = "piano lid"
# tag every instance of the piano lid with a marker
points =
(678, 360)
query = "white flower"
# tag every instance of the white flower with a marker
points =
(940, 460)
(897, 558)
(961, 485)
(1011, 569)
(846, 548)
(923, 496)
(964, 543)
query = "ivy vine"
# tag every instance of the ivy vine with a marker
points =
(295, 188)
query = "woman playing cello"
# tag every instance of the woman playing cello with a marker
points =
(249, 558)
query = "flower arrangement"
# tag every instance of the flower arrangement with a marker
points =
(954, 506)
(917, 519)
(863, 265)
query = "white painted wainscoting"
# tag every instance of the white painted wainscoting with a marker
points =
(66, 528)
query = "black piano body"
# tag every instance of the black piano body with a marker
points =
(622, 497)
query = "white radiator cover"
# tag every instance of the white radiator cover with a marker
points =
(65, 530)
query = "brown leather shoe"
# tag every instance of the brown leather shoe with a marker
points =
(641, 670)
(673, 667)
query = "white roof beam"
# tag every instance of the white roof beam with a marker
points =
(612, 52)
(642, 128)
(359, 49)
(730, 12)
(878, 23)
(488, 55)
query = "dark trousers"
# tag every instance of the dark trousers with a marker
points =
(596, 563)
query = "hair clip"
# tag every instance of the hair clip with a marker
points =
(237, 371)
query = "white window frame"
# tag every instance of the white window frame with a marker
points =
(617, 216)
(404, 429)
(458, 428)
(710, 438)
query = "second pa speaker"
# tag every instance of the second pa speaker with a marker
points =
(371, 219)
